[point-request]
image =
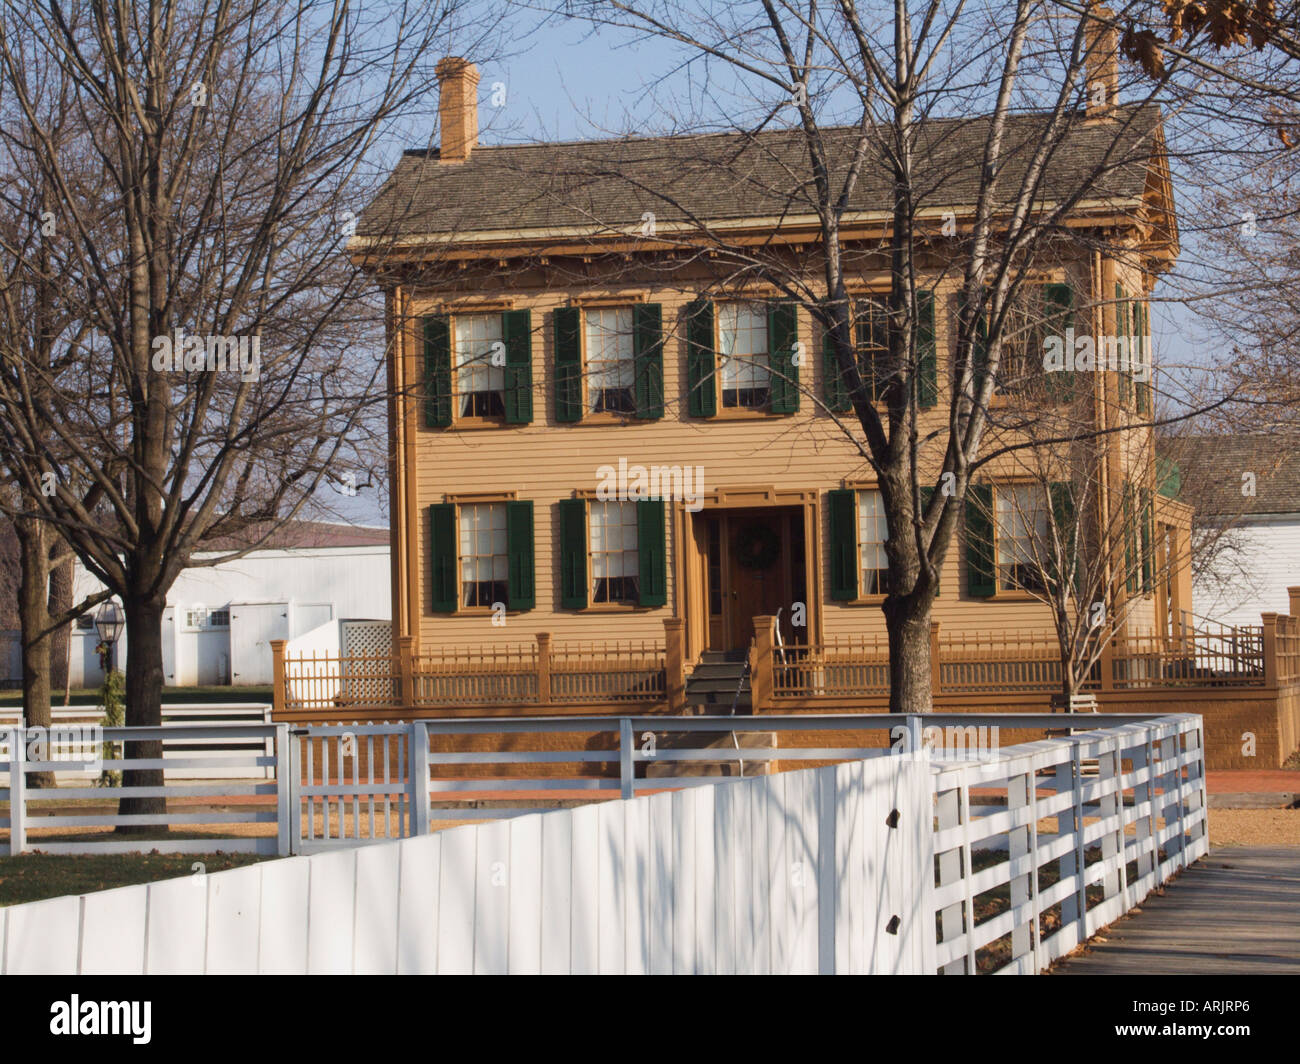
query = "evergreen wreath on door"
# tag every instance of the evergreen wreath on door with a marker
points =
(756, 546)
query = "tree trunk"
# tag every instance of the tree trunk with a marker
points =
(907, 620)
(34, 619)
(144, 685)
(60, 603)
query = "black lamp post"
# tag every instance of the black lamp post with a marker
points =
(109, 625)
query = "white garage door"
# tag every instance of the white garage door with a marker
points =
(252, 627)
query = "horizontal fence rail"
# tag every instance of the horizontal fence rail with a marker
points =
(908, 856)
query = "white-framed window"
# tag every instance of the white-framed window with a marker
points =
(614, 552)
(200, 618)
(873, 530)
(611, 361)
(86, 622)
(1021, 534)
(480, 383)
(484, 564)
(744, 358)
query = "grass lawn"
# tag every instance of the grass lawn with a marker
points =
(37, 876)
(82, 696)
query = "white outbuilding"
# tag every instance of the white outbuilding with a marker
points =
(312, 583)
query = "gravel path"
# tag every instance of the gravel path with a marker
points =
(1255, 827)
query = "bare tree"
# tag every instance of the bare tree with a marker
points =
(879, 102)
(226, 351)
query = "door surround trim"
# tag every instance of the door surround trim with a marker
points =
(690, 576)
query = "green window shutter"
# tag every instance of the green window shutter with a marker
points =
(652, 557)
(782, 335)
(1142, 327)
(1061, 495)
(567, 325)
(573, 554)
(1060, 317)
(1130, 541)
(926, 495)
(517, 335)
(1169, 477)
(979, 342)
(648, 347)
(1148, 532)
(1121, 331)
(520, 590)
(702, 399)
(927, 360)
(836, 394)
(442, 557)
(981, 567)
(843, 508)
(437, 371)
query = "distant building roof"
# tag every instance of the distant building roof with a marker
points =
(303, 534)
(1218, 473)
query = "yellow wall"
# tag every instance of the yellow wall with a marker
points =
(546, 461)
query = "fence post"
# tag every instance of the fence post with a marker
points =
(418, 777)
(1270, 649)
(295, 785)
(406, 671)
(674, 664)
(625, 768)
(936, 683)
(915, 735)
(761, 679)
(543, 668)
(1293, 595)
(17, 791)
(277, 676)
(285, 787)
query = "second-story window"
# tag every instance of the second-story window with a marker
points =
(744, 364)
(611, 361)
(480, 366)
(1037, 312)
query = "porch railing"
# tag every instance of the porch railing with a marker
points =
(650, 674)
(1029, 662)
(538, 673)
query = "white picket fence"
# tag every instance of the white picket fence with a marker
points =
(849, 868)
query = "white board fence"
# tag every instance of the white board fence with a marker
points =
(796, 872)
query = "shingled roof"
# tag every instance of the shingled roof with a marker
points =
(1211, 468)
(731, 176)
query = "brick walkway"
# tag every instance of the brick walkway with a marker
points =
(1249, 780)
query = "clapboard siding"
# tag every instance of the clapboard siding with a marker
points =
(1250, 572)
(547, 460)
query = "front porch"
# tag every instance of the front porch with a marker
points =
(1245, 680)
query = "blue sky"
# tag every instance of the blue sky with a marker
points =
(564, 82)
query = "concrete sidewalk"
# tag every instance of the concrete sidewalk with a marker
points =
(1234, 912)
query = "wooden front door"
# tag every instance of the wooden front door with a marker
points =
(755, 567)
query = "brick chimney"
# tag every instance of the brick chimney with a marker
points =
(457, 108)
(1101, 64)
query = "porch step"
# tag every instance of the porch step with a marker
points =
(717, 657)
(712, 684)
